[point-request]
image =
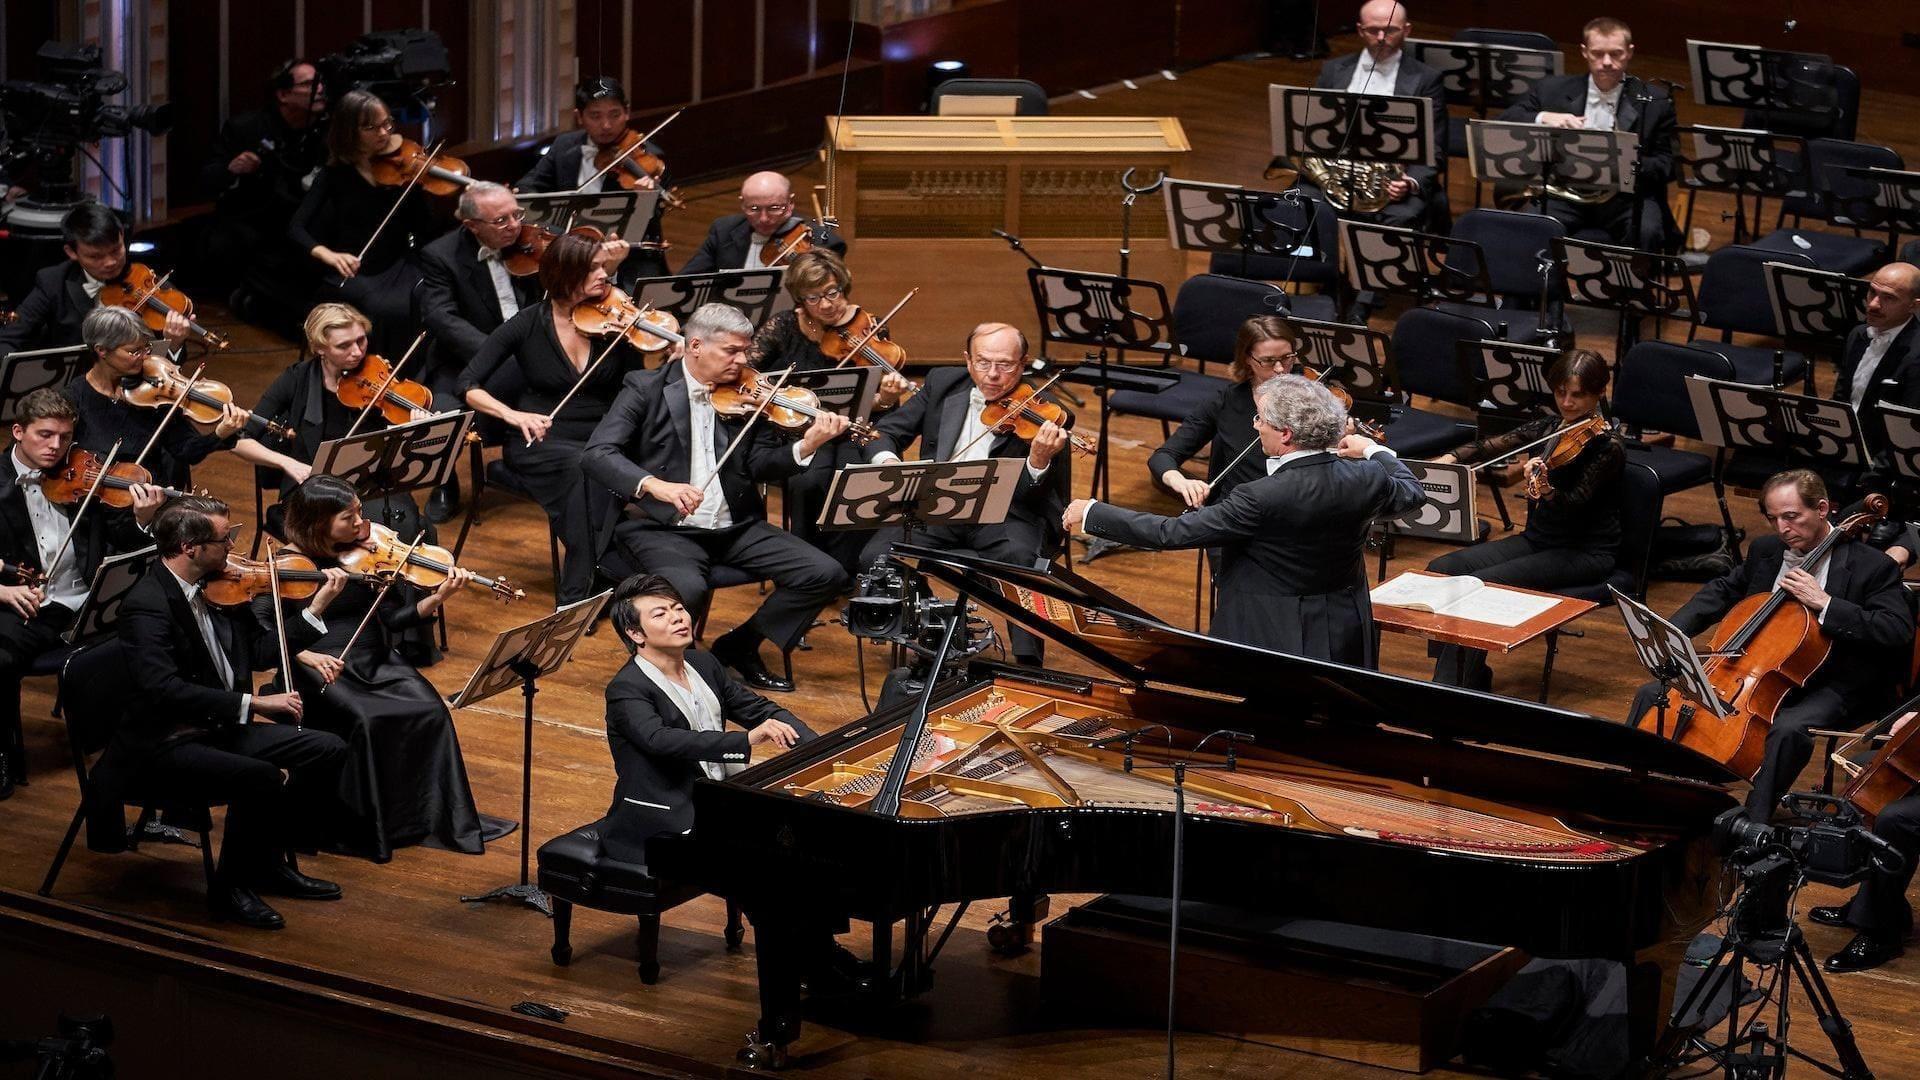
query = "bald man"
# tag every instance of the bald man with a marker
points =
(1878, 362)
(1384, 68)
(739, 241)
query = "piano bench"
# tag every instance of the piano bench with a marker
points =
(574, 870)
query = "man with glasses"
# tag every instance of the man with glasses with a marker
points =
(739, 241)
(200, 735)
(945, 416)
(601, 119)
(257, 174)
(1383, 68)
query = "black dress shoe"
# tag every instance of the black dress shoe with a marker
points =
(443, 504)
(1863, 952)
(753, 671)
(245, 907)
(286, 881)
(1828, 916)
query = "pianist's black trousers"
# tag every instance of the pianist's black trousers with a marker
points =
(1880, 907)
(240, 765)
(1789, 746)
(1520, 561)
(22, 641)
(804, 578)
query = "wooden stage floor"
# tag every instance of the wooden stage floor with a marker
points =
(402, 927)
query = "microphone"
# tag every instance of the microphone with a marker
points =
(1012, 240)
(1127, 737)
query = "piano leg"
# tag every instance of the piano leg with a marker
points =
(780, 940)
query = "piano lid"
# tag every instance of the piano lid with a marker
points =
(1140, 649)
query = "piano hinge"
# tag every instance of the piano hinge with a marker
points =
(1057, 680)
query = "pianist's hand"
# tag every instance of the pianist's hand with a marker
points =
(778, 732)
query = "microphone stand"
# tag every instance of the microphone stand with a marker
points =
(1038, 365)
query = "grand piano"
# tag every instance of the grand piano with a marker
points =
(1363, 798)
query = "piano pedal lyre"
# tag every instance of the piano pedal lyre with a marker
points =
(1010, 933)
(761, 1054)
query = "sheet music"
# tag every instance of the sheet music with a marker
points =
(1463, 597)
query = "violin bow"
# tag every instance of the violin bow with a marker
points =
(874, 331)
(392, 375)
(280, 620)
(80, 511)
(630, 151)
(385, 587)
(955, 456)
(178, 400)
(1548, 437)
(758, 411)
(1232, 465)
(411, 181)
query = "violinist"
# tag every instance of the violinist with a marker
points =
(1264, 347)
(664, 448)
(306, 397)
(344, 211)
(946, 418)
(404, 781)
(120, 346)
(1879, 912)
(50, 316)
(740, 241)
(1855, 594)
(257, 177)
(1573, 519)
(525, 369)
(601, 118)
(1293, 572)
(32, 531)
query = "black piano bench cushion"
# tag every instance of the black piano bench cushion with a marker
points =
(575, 869)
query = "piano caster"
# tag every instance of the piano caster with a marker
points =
(1010, 933)
(759, 1054)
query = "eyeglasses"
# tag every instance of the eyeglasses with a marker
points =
(384, 125)
(229, 538)
(1271, 361)
(1382, 31)
(831, 293)
(999, 367)
(504, 220)
(770, 208)
(140, 353)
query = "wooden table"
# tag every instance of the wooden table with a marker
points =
(1452, 630)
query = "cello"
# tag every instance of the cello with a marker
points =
(1891, 775)
(1768, 645)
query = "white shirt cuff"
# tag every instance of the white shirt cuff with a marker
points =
(1540, 117)
(803, 462)
(246, 707)
(884, 457)
(1378, 449)
(314, 620)
(1037, 473)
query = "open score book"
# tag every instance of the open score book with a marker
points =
(1462, 598)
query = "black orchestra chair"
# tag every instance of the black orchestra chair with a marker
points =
(1650, 394)
(1426, 345)
(1838, 252)
(1317, 262)
(1030, 97)
(1207, 313)
(93, 701)
(1512, 243)
(1826, 105)
(574, 869)
(1733, 299)
(1640, 505)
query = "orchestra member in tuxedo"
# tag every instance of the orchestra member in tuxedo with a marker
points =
(1292, 570)
(660, 449)
(1384, 68)
(1856, 596)
(1223, 426)
(50, 316)
(1573, 526)
(1879, 912)
(1879, 361)
(404, 781)
(33, 531)
(343, 210)
(601, 120)
(530, 365)
(200, 735)
(739, 241)
(120, 345)
(257, 176)
(1607, 98)
(945, 418)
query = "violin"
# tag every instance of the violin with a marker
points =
(801, 236)
(1361, 427)
(644, 327)
(1768, 645)
(69, 481)
(426, 566)
(244, 578)
(1022, 413)
(791, 409)
(522, 256)
(1572, 441)
(202, 401)
(440, 174)
(147, 295)
(21, 574)
(635, 163)
(837, 344)
(398, 397)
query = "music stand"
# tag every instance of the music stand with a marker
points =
(1742, 162)
(757, 293)
(1102, 312)
(27, 370)
(1222, 219)
(1449, 514)
(1747, 76)
(848, 391)
(1627, 280)
(1887, 199)
(115, 577)
(391, 461)
(921, 494)
(1509, 376)
(1354, 358)
(1901, 427)
(1669, 656)
(1775, 423)
(625, 213)
(1506, 151)
(1382, 129)
(1814, 309)
(1426, 266)
(521, 656)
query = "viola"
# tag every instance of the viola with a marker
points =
(792, 408)
(634, 163)
(398, 397)
(69, 481)
(1573, 440)
(837, 344)
(202, 401)
(440, 174)
(1022, 413)
(1767, 645)
(644, 327)
(148, 295)
(244, 578)
(426, 565)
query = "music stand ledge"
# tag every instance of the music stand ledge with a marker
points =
(1487, 637)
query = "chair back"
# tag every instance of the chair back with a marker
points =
(1513, 243)
(1832, 188)
(93, 697)
(1641, 504)
(1030, 98)
(1209, 308)
(1650, 387)
(1425, 343)
(1733, 290)
(1316, 258)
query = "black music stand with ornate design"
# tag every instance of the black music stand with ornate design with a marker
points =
(1669, 656)
(1357, 359)
(624, 213)
(1222, 219)
(1750, 77)
(387, 462)
(27, 370)
(756, 293)
(1814, 310)
(1377, 129)
(1886, 199)
(1743, 163)
(1485, 77)
(1634, 283)
(1426, 266)
(848, 391)
(112, 580)
(1782, 429)
(1509, 377)
(921, 494)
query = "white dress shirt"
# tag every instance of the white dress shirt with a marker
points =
(65, 586)
(1602, 109)
(1878, 342)
(714, 513)
(91, 285)
(756, 249)
(1791, 559)
(1370, 79)
(202, 617)
(587, 167)
(974, 443)
(502, 282)
(701, 706)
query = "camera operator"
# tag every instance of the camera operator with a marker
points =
(258, 175)
(63, 294)
(1879, 910)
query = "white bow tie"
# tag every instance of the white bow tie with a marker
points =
(703, 395)
(488, 254)
(91, 286)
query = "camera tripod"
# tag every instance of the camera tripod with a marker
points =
(1761, 935)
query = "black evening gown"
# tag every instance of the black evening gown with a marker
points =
(404, 781)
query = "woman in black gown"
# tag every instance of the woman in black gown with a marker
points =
(524, 369)
(404, 782)
(344, 207)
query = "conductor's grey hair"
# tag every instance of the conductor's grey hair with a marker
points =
(106, 328)
(717, 318)
(1298, 404)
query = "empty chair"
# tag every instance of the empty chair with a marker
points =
(1650, 394)
(1207, 313)
(1733, 299)
(1425, 344)
(1316, 261)
(1511, 244)
(1030, 99)
(1838, 252)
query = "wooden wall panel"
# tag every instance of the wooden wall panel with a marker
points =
(662, 55)
(600, 28)
(986, 36)
(726, 47)
(1214, 29)
(788, 41)
(330, 25)
(194, 33)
